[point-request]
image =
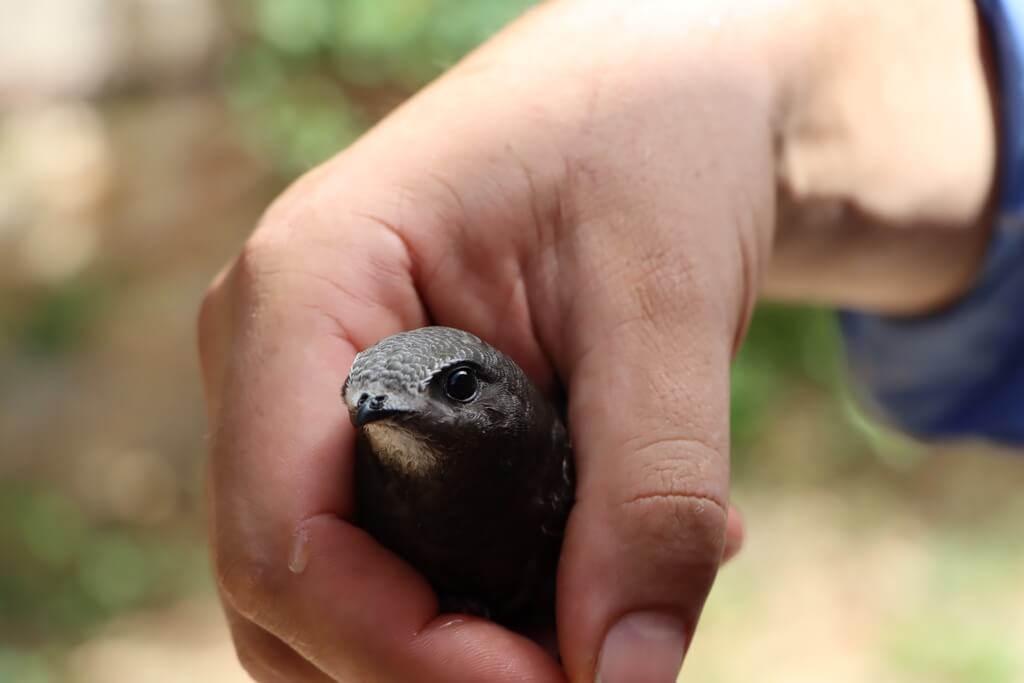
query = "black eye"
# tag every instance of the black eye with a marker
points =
(461, 385)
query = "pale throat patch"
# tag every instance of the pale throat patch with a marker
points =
(402, 449)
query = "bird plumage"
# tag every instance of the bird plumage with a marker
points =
(471, 488)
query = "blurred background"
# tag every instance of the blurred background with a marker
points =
(139, 142)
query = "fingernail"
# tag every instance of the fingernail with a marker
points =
(643, 647)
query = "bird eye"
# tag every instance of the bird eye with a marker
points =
(461, 385)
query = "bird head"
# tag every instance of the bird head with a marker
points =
(416, 394)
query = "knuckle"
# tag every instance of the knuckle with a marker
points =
(669, 465)
(267, 662)
(278, 253)
(675, 497)
(283, 237)
(265, 271)
(208, 319)
(247, 586)
(253, 662)
(683, 525)
(260, 256)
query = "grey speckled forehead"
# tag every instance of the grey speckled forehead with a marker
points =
(408, 360)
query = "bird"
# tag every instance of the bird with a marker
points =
(464, 469)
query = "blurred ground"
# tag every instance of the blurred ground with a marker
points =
(139, 142)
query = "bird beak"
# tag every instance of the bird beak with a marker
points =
(370, 411)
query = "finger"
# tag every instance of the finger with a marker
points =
(213, 331)
(286, 558)
(733, 534)
(266, 658)
(649, 395)
(359, 613)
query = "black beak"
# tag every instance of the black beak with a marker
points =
(372, 410)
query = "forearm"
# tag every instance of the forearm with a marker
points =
(887, 157)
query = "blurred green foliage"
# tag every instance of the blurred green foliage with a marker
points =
(51, 320)
(785, 345)
(65, 571)
(309, 75)
(965, 570)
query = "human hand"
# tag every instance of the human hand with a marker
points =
(604, 216)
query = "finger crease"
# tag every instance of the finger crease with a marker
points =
(698, 499)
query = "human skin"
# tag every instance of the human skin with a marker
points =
(602, 191)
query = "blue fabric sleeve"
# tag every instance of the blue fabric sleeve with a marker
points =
(960, 372)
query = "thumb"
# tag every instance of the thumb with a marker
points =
(649, 414)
